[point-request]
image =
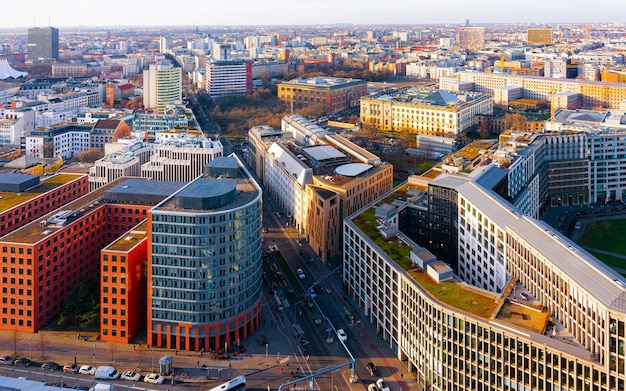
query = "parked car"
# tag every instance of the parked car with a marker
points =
(71, 368)
(81, 388)
(382, 385)
(372, 387)
(106, 372)
(23, 361)
(342, 335)
(373, 369)
(6, 360)
(51, 366)
(87, 370)
(130, 375)
(153, 378)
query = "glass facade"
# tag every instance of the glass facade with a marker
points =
(205, 267)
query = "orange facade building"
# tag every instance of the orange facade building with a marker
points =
(123, 284)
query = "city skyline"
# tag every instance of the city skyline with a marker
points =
(279, 12)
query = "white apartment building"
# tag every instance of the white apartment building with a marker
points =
(181, 159)
(15, 123)
(225, 78)
(62, 141)
(162, 86)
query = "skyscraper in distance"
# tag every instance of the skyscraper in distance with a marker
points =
(43, 43)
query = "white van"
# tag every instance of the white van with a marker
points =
(107, 373)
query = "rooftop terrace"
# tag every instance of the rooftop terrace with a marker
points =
(452, 293)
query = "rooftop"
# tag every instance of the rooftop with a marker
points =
(524, 316)
(327, 82)
(35, 231)
(130, 239)
(9, 200)
(452, 293)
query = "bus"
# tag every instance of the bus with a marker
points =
(238, 383)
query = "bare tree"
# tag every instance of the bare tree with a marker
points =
(16, 339)
(111, 353)
(140, 353)
(42, 343)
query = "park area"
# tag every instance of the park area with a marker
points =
(607, 235)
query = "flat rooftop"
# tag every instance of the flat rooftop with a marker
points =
(454, 293)
(130, 239)
(35, 232)
(524, 316)
(246, 193)
(9, 200)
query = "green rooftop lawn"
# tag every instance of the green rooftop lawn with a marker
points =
(457, 295)
(451, 293)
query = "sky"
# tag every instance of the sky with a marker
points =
(60, 13)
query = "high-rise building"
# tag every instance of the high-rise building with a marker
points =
(204, 261)
(43, 43)
(471, 39)
(224, 78)
(162, 86)
(165, 44)
(539, 36)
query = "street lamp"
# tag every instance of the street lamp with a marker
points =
(266, 350)
(31, 348)
(93, 357)
(152, 362)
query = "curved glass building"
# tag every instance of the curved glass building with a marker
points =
(204, 268)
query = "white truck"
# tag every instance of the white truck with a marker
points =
(101, 387)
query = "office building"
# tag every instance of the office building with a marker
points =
(61, 141)
(182, 158)
(593, 94)
(39, 262)
(471, 39)
(126, 162)
(108, 131)
(260, 139)
(15, 123)
(516, 314)
(224, 78)
(173, 117)
(539, 36)
(162, 86)
(317, 185)
(43, 43)
(329, 93)
(206, 294)
(124, 260)
(412, 110)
